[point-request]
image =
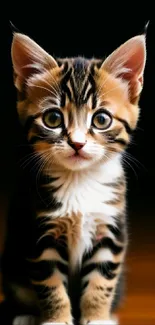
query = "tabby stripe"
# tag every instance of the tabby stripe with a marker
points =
(126, 125)
(119, 183)
(64, 86)
(109, 289)
(50, 242)
(121, 141)
(68, 92)
(65, 67)
(39, 271)
(63, 268)
(82, 95)
(49, 299)
(108, 243)
(91, 80)
(63, 99)
(118, 231)
(75, 93)
(100, 288)
(84, 284)
(104, 268)
(30, 121)
(70, 117)
(90, 92)
(44, 292)
(43, 135)
(42, 270)
(104, 243)
(46, 228)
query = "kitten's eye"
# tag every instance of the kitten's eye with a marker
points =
(101, 120)
(53, 118)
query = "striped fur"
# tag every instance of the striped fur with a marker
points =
(77, 116)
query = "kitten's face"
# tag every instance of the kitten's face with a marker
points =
(77, 112)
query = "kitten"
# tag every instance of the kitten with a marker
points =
(67, 239)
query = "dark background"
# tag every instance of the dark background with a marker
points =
(72, 31)
(87, 35)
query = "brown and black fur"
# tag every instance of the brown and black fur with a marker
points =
(55, 289)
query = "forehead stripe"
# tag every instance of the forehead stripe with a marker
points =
(65, 88)
(126, 125)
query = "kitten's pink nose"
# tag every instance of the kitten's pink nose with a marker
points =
(77, 145)
(77, 139)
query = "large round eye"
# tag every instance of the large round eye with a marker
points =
(53, 118)
(102, 120)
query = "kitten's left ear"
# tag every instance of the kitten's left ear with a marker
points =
(28, 58)
(128, 62)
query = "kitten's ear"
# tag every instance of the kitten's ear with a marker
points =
(128, 62)
(28, 58)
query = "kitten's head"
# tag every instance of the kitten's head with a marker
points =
(78, 112)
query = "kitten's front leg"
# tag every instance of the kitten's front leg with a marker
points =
(100, 273)
(49, 276)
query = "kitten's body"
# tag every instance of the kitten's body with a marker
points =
(74, 220)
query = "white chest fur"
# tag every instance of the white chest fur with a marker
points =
(86, 193)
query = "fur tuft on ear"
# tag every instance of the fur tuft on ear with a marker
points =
(128, 62)
(28, 58)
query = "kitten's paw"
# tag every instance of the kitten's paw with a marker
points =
(25, 320)
(56, 323)
(103, 322)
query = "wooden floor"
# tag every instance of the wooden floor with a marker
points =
(138, 306)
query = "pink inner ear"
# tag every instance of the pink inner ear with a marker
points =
(21, 61)
(28, 57)
(128, 61)
(136, 63)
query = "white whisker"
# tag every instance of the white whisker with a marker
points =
(56, 83)
(51, 86)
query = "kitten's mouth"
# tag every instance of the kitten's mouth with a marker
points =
(77, 156)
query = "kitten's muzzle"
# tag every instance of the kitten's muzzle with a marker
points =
(76, 145)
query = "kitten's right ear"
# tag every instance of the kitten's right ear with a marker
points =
(28, 58)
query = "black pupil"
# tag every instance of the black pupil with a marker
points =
(101, 118)
(53, 117)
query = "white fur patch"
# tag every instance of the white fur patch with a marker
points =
(31, 320)
(53, 323)
(103, 322)
(86, 192)
(49, 254)
(102, 255)
(24, 320)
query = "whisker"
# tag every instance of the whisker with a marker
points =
(110, 90)
(58, 87)
(134, 160)
(103, 84)
(53, 88)
(27, 159)
(131, 168)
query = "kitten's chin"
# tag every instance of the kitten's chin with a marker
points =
(77, 163)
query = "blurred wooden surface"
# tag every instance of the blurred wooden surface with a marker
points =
(138, 306)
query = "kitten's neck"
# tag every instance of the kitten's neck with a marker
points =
(106, 171)
(84, 190)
